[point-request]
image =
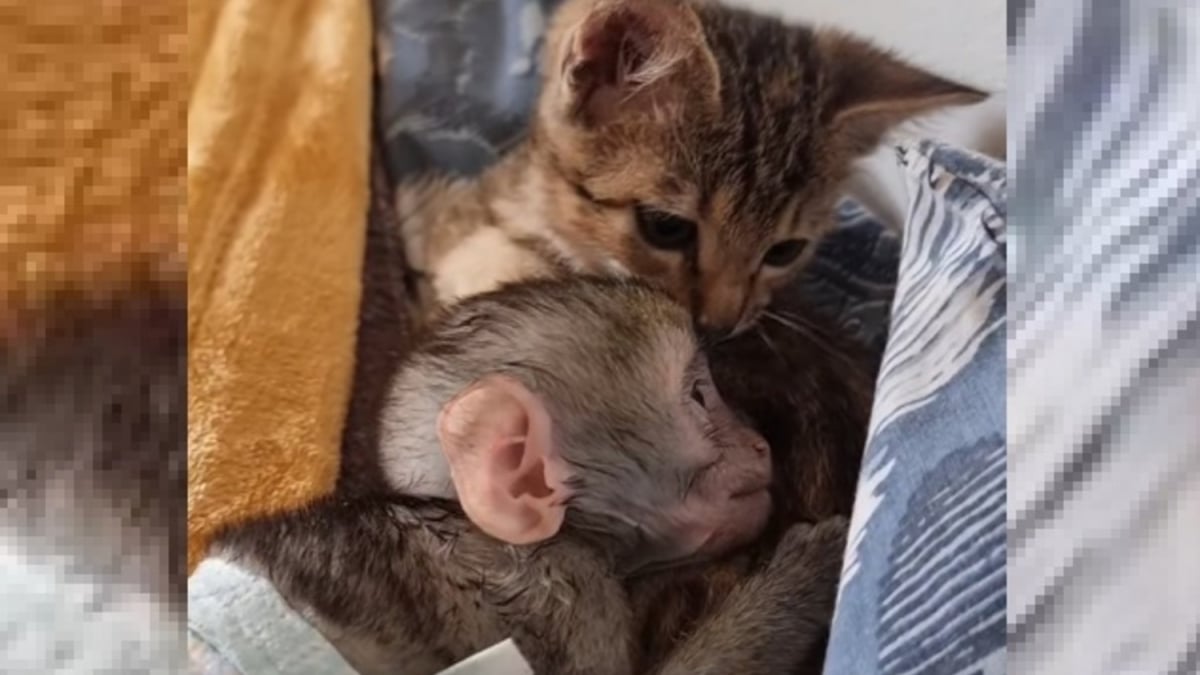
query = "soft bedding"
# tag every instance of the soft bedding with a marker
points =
(923, 586)
(277, 196)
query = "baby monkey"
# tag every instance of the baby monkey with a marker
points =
(549, 440)
(586, 404)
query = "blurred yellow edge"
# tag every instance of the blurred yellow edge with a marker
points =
(275, 97)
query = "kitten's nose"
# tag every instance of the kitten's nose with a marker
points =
(719, 320)
(713, 329)
(722, 302)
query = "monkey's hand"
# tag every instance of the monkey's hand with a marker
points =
(807, 565)
(775, 620)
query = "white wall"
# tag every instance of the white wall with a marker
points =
(961, 40)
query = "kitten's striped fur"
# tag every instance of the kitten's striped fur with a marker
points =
(736, 122)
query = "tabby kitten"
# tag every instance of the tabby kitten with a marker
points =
(697, 146)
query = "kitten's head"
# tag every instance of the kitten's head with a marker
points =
(704, 148)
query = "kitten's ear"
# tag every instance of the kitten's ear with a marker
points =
(510, 479)
(872, 91)
(625, 58)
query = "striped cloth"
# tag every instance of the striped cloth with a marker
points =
(1104, 373)
(923, 588)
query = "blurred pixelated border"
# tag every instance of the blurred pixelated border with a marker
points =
(1104, 348)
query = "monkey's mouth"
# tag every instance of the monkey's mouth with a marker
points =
(751, 486)
(746, 493)
(745, 516)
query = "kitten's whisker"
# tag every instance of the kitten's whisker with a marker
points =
(800, 321)
(758, 330)
(779, 318)
(799, 325)
(803, 321)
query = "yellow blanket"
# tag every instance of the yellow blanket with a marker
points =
(278, 128)
(91, 147)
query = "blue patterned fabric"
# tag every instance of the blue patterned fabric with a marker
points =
(923, 587)
(458, 78)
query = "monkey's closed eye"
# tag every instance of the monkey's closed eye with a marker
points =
(697, 395)
(785, 252)
(664, 230)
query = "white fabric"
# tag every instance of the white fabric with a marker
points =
(244, 620)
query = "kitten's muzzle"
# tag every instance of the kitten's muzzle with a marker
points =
(722, 308)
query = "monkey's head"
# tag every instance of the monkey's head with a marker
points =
(587, 404)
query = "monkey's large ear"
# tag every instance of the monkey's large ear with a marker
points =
(509, 477)
(625, 58)
(871, 91)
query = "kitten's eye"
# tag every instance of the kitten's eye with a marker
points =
(663, 230)
(697, 395)
(785, 252)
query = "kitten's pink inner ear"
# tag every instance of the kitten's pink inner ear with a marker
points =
(510, 479)
(632, 49)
